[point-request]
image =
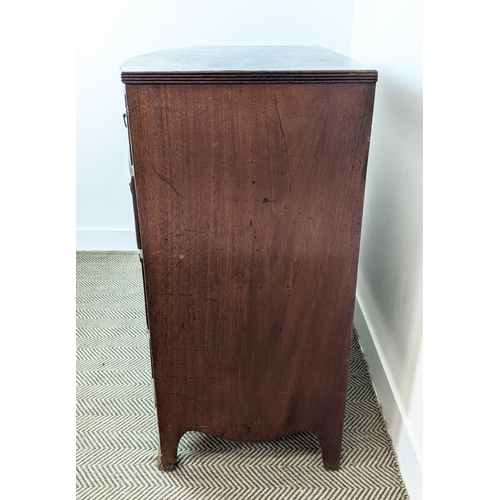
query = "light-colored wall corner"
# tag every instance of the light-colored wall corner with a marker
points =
(106, 239)
(398, 421)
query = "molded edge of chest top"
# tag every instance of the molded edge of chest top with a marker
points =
(245, 64)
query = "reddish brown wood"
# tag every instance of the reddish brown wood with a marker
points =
(136, 216)
(250, 202)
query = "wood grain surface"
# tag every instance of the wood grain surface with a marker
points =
(244, 60)
(249, 200)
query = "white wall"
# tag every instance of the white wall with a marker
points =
(112, 31)
(387, 34)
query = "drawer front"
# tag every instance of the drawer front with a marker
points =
(136, 215)
(132, 178)
(125, 122)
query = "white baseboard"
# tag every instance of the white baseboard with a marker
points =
(106, 239)
(400, 428)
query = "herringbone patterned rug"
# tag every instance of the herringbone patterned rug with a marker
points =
(117, 439)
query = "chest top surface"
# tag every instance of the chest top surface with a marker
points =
(308, 62)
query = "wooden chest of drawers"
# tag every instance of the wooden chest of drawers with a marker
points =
(249, 168)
